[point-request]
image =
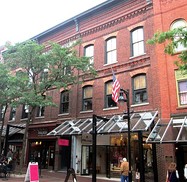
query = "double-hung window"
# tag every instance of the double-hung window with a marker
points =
(89, 52)
(139, 89)
(87, 98)
(180, 23)
(108, 95)
(111, 52)
(64, 102)
(137, 39)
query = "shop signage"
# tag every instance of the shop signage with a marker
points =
(32, 172)
(86, 138)
(42, 132)
(63, 142)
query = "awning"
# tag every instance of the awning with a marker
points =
(116, 124)
(172, 131)
(13, 128)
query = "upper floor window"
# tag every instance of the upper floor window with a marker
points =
(108, 95)
(111, 52)
(25, 111)
(87, 98)
(44, 75)
(137, 38)
(89, 52)
(181, 82)
(67, 70)
(2, 112)
(139, 89)
(64, 102)
(13, 114)
(180, 23)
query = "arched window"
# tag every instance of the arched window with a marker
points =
(111, 52)
(139, 89)
(137, 42)
(89, 52)
(87, 98)
(180, 23)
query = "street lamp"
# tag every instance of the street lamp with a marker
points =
(127, 116)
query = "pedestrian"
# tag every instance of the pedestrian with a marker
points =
(9, 155)
(137, 168)
(124, 168)
(172, 173)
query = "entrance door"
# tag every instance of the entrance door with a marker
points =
(51, 156)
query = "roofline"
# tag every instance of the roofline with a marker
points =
(72, 19)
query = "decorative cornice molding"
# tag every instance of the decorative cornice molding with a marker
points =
(108, 24)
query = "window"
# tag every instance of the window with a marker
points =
(182, 85)
(89, 52)
(87, 98)
(67, 70)
(25, 111)
(64, 102)
(180, 23)
(44, 75)
(111, 52)
(181, 82)
(108, 95)
(13, 114)
(139, 89)
(137, 38)
(40, 111)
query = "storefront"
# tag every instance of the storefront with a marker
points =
(112, 143)
(173, 131)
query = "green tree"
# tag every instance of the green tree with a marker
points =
(9, 92)
(39, 71)
(173, 39)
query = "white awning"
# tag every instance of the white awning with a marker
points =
(173, 131)
(116, 124)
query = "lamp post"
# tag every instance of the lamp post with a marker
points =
(127, 116)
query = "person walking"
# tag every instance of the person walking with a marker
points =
(124, 168)
(172, 173)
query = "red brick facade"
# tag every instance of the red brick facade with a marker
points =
(119, 18)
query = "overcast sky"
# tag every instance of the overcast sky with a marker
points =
(23, 19)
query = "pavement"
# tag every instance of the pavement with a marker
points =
(52, 176)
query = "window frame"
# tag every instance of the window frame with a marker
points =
(140, 91)
(173, 26)
(89, 52)
(108, 96)
(64, 110)
(112, 51)
(87, 99)
(139, 41)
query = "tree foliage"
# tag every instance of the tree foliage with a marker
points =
(173, 39)
(39, 70)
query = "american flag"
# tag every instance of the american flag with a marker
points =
(115, 88)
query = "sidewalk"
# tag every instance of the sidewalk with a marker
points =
(51, 176)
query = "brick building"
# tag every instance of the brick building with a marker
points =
(114, 35)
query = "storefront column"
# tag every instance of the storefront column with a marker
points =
(141, 157)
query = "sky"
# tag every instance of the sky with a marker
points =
(21, 20)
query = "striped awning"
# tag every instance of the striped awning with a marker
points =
(14, 128)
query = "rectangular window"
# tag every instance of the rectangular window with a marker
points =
(25, 111)
(139, 89)
(108, 95)
(13, 114)
(181, 82)
(111, 52)
(87, 98)
(64, 104)
(183, 92)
